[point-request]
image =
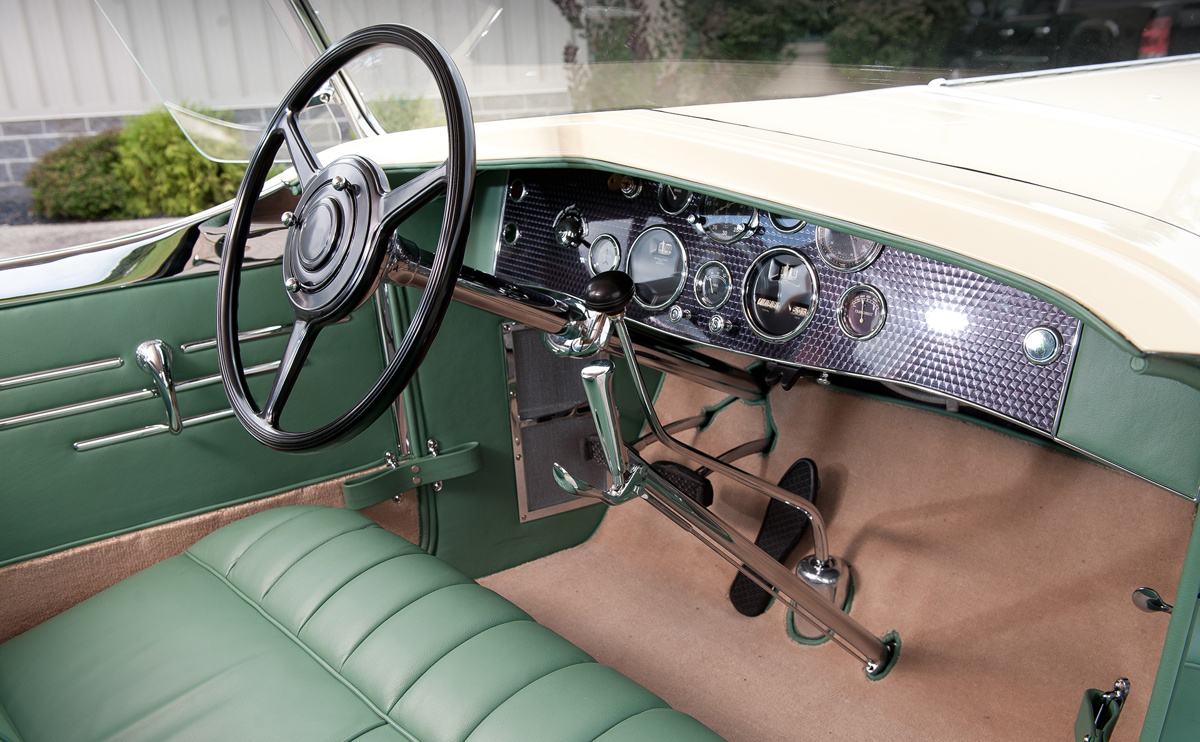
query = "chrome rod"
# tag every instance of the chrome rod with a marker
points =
(556, 313)
(150, 430)
(820, 540)
(120, 399)
(60, 373)
(270, 331)
(768, 573)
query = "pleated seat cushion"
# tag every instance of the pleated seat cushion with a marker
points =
(312, 623)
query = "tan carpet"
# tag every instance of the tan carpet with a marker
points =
(1005, 567)
(38, 589)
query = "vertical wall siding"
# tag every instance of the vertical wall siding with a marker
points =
(62, 58)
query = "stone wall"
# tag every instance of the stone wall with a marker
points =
(23, 142)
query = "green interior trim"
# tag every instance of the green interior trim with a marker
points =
(1009, 278)
(1174, 649)
(1145, 424)
(191, 513)
(710, 412)
(1185, 369)
(484, 236)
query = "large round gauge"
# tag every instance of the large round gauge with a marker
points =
(845, 252)
(604, 254)
(862, 312)
(727, 221)
(673, 200)
(780, 294)
(713, 285)
(658, 267)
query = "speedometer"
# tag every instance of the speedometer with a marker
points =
(658, 267)
(780, 294)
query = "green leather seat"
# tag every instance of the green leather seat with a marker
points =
(311, 623)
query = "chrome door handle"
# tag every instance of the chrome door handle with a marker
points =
(154, 357)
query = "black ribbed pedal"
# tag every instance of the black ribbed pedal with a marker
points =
(695, 486)
(781, 529)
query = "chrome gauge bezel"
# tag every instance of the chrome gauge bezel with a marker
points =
(683, 271)
(820, 241)
(691, 196)
(747, 295)
(844, 322)
(749, 229)
(696, 285)
(775, 223)
(591, 265)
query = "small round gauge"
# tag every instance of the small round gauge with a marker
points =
(787, 224)
(569, 227)
(845, 252)
(862, 312)
(727, 221)
(604, 254)
(713, 285)
(779, 296)
(658, 267)
(673, 200)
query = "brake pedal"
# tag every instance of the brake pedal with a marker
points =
(781, 529)
(693, 484)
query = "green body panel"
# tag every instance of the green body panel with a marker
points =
(53, 497)
(1146, 424)
(1174, 711)
(460, 395)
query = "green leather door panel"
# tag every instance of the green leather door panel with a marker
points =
(53, 496)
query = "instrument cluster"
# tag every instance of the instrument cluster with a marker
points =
(714, 271)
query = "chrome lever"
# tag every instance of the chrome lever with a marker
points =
(597, 386)
(154, 357)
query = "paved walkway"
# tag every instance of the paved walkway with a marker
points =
(28, 239)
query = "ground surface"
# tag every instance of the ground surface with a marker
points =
(28, 239)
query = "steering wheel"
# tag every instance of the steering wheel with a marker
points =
(337, 241)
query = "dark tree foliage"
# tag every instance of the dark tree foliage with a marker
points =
(895, 33)
(745, 30)
(77, 181)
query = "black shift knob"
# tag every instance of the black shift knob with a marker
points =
(608, 292)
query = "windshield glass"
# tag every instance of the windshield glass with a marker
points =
(221, 69)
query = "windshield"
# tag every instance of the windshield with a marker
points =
(221, 69)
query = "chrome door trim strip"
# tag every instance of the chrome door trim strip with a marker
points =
(60, 373)
(146, 432)
(269, 331)
(17, 421)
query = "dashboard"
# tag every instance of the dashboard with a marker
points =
(721, 273)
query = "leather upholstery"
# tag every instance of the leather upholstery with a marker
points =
(311, 623)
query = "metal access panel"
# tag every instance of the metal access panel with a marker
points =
(551, 423)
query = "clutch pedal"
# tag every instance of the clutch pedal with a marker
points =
(781, 529)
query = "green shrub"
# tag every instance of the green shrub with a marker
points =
(894, 33)
(76, 181)
(164, 172)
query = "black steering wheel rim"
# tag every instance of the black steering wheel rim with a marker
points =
(355, 228)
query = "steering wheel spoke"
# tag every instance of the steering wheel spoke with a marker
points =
(406, 199)
(303, 158)
(299, 344)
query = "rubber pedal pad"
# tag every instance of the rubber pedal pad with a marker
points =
(695, 486)
(782, 527)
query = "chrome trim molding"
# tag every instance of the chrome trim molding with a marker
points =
(28, 418)
(60, 373)
(133, 435)
(263, 332)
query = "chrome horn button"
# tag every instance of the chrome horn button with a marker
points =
(330, 252)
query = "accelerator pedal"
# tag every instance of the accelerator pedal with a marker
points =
(781, 529)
